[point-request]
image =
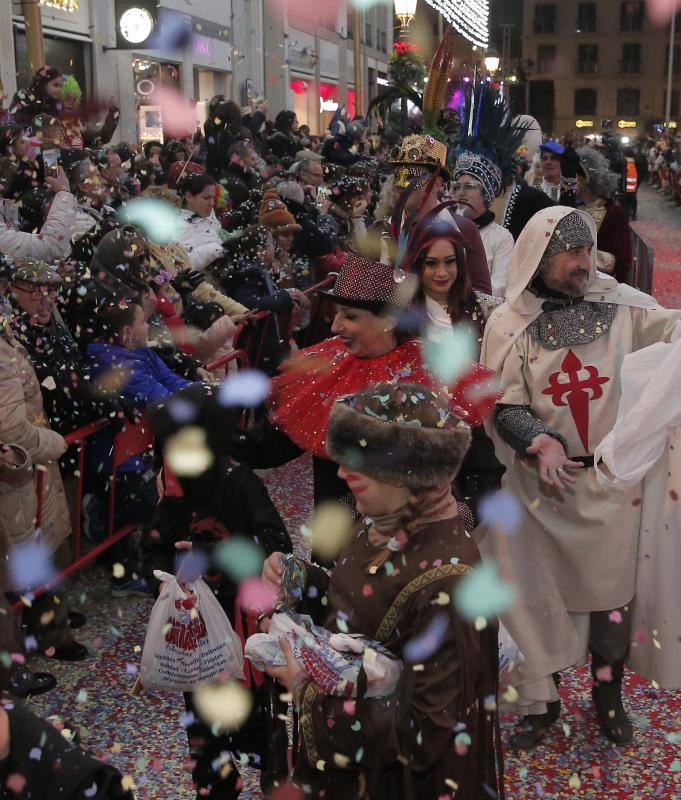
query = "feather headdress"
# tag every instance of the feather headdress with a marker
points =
(487, 128)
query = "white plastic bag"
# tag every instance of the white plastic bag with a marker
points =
(332, 660)
(189, 641)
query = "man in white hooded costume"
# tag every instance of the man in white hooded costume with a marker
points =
(557, 344)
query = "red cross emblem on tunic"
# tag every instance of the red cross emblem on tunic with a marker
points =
(579, 389)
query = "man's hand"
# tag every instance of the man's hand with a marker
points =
(552, 461)
(300, 299)
(272, 570)
(205, 376)
(58, 182)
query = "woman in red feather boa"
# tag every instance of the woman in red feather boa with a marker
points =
(367, 349)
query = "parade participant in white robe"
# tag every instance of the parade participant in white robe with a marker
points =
(558, 344)
(645, 445)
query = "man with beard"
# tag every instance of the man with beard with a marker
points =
(557, 345)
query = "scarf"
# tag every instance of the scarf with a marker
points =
(389, 533)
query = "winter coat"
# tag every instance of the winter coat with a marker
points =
(312, 241)
(252, 285)
(337, 150)
(54, 240)
(215, 343)
(23, 423)
(60, 368)
(200, 237)
(147, 379)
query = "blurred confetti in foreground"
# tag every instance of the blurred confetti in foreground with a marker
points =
(247, 388)
(450, 354)
(329, 530)
(30, 564)
(225, 707)
(187, 453)
(158, 219)
(482, 593)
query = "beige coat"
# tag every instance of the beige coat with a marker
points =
(23, 423)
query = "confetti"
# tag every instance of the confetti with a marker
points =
(426, 644)
(226, 706)
(501, 510)
(30, 564)
(330, 528)
(187, 452)
(161, 221)
(239, 558)
(483, 593)
(449, 355)
(247, 388)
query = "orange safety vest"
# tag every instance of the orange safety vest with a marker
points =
(632, 176)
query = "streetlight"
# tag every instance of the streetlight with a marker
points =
(492, 61)
(405, 11)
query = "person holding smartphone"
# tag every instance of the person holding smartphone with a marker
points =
(53, 241)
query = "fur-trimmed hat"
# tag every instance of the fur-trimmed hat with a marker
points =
(402, 434)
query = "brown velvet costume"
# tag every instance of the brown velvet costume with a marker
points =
(404, 746)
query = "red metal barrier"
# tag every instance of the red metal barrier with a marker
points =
(131, 441)
(222, 362)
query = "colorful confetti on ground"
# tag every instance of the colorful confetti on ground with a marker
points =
(659, 223)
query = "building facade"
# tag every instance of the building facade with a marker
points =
(597, 65)
(243, 49)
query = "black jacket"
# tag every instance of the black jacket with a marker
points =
(337, 150)
(312, 241)
(64, 771)
(252, 286)
(227, 501)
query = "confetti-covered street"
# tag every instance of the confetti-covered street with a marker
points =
(144, 738)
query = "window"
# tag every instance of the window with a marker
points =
(546, 58)
(631, 15)
(586, 18)
(631, 58)
(677, 59)
(587, 59)
(585, 102)
(368, 34)
(545, 18)
(383, 41)
(675, 103)
(628, 101)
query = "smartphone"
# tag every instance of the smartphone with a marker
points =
(322, 194)
(51, 160)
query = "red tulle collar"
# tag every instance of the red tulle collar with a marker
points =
(303, 395)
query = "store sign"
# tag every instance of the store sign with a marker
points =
(327, 105)
(203, 46)
(627, 123)
(62, 5)
(584, 123)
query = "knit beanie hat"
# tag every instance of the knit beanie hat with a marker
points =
(275, 216)
(402, 434)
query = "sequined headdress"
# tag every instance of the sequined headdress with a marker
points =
(371, 285)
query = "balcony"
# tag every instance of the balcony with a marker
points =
(586, 26)
(586, 67)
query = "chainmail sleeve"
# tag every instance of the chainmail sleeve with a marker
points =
(518, 426)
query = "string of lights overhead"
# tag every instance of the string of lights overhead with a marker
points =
(469, 17)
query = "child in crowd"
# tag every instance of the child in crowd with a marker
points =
(226, 502)
(120, 361)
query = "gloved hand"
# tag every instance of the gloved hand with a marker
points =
(187, 281)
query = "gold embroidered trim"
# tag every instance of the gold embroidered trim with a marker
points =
(306, 724)
(389, 622)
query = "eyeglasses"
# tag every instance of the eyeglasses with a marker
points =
(465, 187)
(37, 291)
